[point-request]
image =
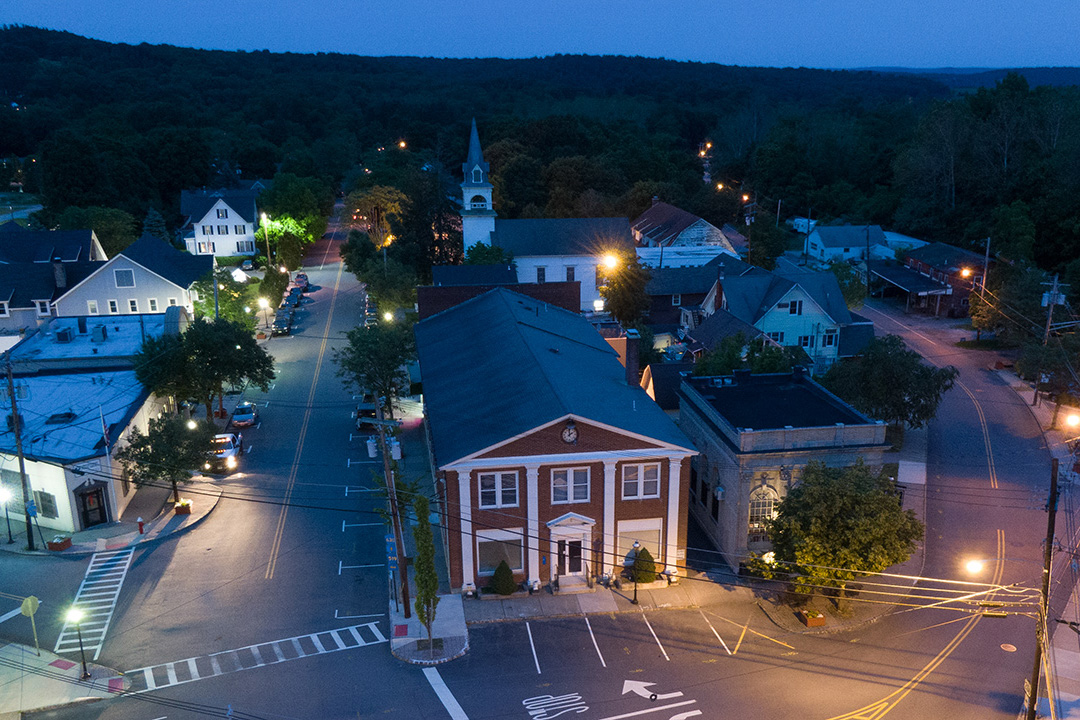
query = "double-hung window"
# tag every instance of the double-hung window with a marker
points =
(641, 481)
(91, 307)
(676, 300)
(570, 485)
(133, 305)
(222, 213)
(498, 490)
(240, 229)
(795, 308)
(207, 229)
(570, 273)
(541, 274)
(153, 305)
(114, 307)
(222, 229)
(42, 308)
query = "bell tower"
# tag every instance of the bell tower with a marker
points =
(477, 213)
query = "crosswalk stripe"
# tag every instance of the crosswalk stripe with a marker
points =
(261, 659)
(96, 597)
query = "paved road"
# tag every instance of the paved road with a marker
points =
(279, 611)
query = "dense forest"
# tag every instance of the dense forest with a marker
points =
(88, 124)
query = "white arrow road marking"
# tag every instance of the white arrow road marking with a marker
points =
(642, 689)
(651, 710)
(683, 716)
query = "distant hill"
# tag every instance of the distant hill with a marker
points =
(960, 78)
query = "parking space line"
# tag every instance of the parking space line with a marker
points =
(589, 625)
(753, 632)
(341, 567)
(714, 631)
(741, 636)
(647, 623)
(351, 617)
(349, 525)
(533, 646)
(444, 695)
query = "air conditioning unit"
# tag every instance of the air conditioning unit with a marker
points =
(65, 335)
(718, 491)
(98, 333)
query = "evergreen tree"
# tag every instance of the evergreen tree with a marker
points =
(424, 574)
(154, 225)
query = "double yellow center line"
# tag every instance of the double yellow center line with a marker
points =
(275, 548)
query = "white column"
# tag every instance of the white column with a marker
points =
(674, 495)
(532, 499)
(610, 534)
(468, 570)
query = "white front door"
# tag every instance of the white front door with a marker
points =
(570, 552)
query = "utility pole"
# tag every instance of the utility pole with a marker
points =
(1046, 335)
(16, 424)
(1044, 597)
(986, 269)
(395, 515)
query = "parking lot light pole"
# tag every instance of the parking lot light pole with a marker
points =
(75, 616)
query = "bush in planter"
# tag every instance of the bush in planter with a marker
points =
(644, 568)
(503, 581)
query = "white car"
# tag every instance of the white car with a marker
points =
(225, 457)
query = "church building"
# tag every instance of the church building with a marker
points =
(545, 250)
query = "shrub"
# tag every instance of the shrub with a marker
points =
(644, 566)
(502, 582)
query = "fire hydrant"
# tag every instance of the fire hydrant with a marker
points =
(140, 521)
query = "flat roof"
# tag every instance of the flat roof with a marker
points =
(775, 401)
(124, 335)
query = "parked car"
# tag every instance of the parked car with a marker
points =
(282, 325)
(365, 411)
(246, 413)
(301, 281)
(226, 454)
(247, 265)
(291, 300)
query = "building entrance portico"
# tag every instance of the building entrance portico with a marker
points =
(571, 541)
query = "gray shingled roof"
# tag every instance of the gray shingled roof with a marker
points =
(662, 222)
(691, 280)
(563, 236)
(856, 336)
(721, 324)
(179, 268)
(501, 364)
(19, 245)
(194, 204)
(750, 296)
(24, 282)
(853, 236)
(448, 275)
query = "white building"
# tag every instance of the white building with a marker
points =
(827, 243)
(544, 250)
(221, 223)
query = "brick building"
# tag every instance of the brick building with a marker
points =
(546, 456)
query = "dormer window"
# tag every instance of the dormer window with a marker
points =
(477, 175)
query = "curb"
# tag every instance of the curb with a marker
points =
(432, 662)
(147, 542)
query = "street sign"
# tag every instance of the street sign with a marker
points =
(30, 606)
(31, 509)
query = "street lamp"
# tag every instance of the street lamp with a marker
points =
(633, 569)
(75, 616)
(388, 316)
(5, 498)
(610, 261)
(1072, 420)
(265, 305)
(266, 237)
(191, 424)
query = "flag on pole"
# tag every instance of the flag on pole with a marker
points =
(104, 430)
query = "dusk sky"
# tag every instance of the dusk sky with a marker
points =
(811, 33)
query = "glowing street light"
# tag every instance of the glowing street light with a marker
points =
(388, 316)
(75, 616)
(610, 261)
(719, 186)
(191, 424)
(5, 498)
(974, 567)
(966, 272)
(1072, 420)
(265, 305)
(401, 144)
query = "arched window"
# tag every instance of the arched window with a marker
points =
(762, 509)
(477, 175)
(478, 202)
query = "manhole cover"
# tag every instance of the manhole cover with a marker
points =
(1008, 648)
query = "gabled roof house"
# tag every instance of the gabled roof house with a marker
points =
(546, 455)
(221, 223)
(148, 276)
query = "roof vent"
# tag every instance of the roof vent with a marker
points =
(65, 335)
(61, 418)
(554, 350)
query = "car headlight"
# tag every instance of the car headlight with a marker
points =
(230, 462)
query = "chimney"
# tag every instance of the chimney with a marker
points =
(742, 377)
(633, 339)
(59, 273)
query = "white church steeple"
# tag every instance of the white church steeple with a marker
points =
(477, 213)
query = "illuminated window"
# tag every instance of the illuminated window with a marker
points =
(222, 213)
(762, 509)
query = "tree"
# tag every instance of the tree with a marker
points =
(502, 580)
(356, 251)
(170, 452)
(891, 383)
(236, 301)
(1011, 304)
(644, 567)
(424, 574)
(200, 362)
(484, 254)
(272, 286)
(224, 352)
(837, 524)
(766, 242)
(374, 361)
(735, 352)
(1054, 364)
(154, 225)
(115, 229)
(375, 210)
(305, 201)
(391, 283)
(624, 290)
(852, 286)
(1013, 231)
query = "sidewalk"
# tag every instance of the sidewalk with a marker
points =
(1064, 651)
(31, 682)
(123, 534)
